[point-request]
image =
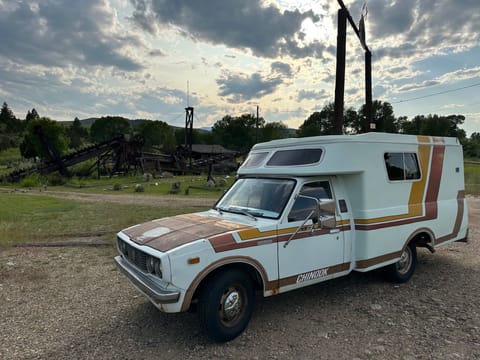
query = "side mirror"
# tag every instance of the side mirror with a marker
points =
(327, 214)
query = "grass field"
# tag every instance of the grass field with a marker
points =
(27, 218)
(472, 179)
(196, 185)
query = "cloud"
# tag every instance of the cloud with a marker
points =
(416, 86)
(82, 33)
(240, 88)
(446, 78)
(156, 52)
(311, 95)
(281, 68)
(266, 30)
(401, 29)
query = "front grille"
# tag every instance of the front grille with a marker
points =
(133, 255)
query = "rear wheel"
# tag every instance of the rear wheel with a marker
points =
(404, 268)
(226, 304)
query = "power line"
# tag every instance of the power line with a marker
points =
(435, 94)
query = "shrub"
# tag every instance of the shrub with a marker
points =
(84, 169)
(139, 188)
(55, 179)
(32, 180)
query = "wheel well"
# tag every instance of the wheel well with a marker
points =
(423, 239)
(247, 268)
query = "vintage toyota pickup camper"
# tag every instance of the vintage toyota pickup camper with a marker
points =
(302, 211)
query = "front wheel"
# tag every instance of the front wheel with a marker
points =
(226, 304)
(403, 269)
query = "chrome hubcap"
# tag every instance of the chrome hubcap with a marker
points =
(231, 306)
(405, 262)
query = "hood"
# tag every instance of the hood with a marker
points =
(169, 233)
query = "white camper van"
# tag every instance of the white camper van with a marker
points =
(302, 211)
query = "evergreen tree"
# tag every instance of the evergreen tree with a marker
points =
(77, 134)
(9, 124)
(32, 115)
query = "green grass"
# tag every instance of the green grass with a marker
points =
(11, 159)
(9, 155)
(472, 179)
(28, 218)
(195, 184)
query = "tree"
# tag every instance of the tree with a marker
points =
(11, 128)
(273, 130)
(32, 115)
(198, 136)
(157, 133)
(435, 125)
(471, 146)
(9, 124)
(383, 117)
(77, 134)
(319, 123)
(108, 127)
(237, 133)
(54, 133)
(352, 121)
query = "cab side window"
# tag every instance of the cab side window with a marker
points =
(304, 205)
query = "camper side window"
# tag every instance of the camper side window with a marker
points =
(402, 166)
(303, 206)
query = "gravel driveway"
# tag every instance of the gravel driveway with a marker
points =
(72, 303)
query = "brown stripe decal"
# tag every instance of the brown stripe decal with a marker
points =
(226, 242)
(431, 208)
(458, 219)
(434, 183)
(363, 264)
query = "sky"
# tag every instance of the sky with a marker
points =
(149, 59)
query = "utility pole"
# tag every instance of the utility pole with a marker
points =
(339, 84)
(189, 132)
(340, 73)
(256, 128)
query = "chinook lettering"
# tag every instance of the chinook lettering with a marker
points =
(311, 275)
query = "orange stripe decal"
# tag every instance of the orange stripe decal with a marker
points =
(421, 193)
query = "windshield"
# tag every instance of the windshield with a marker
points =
(257, 197)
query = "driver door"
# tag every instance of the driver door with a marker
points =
(310, 246)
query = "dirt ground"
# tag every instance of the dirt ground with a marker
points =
(72, 303)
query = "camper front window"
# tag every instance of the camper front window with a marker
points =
(260, 197)
(294, 157)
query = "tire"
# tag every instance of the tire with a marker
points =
(403, 269)
(226, 304)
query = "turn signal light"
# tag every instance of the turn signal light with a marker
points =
(193, 261)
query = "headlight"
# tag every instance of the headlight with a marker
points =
(150, 264)
(154, 266)
(158, 268)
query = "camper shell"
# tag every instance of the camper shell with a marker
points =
(301, 211)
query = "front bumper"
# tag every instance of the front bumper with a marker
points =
(147, 286)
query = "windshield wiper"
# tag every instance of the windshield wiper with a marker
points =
(220, 210)
(241, 211)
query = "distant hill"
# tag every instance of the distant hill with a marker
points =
(134, 122)
(88, 122)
